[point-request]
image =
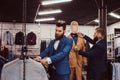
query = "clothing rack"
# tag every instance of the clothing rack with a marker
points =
(24, 47)
(115, 56)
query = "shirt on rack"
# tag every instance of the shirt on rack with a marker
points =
(116, 71)
(14, 70)
(8, 37)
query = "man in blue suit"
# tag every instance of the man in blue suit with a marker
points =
(57, 54)
(96, 55)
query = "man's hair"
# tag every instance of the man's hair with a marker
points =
(61, 23)
(74, 23)
(101, 31)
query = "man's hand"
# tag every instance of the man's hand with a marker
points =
(44, 62)
(76, 49)
(37, 59)
(80, 34)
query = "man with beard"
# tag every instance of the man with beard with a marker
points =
(57, 54)
(75, 60)
(96, 55)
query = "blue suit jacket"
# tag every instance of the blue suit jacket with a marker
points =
(96, 55)
(60, 59)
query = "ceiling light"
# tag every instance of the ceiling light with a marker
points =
(54, 2)
(96, 20)
(49, 12)
(44, 19)
(114, 15)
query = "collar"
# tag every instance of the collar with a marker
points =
(74, 34)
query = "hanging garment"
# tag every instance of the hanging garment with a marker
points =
(31, 38)
(116, 71)
(42, 45)
(8, 38)
(11, 55)
(14, 70)
(119, 71)
(19, 38)
(118, 55)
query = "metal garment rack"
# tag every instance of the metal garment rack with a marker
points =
(24, 46)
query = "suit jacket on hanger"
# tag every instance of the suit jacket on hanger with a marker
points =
(19, 38)
(31, 38)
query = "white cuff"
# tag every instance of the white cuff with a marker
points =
(49, 60)
(39, 57)
(83, 35)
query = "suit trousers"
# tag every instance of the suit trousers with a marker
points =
(76, 73)
(78, 69)
(72, 73)
(96, 76)
(56, 76)
(60, 77)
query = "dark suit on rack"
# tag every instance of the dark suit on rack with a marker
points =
(42, 45)
(59, 58)
(31, 38)
(96, 59)
(19, 38)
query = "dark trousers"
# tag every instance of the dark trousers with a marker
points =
(55, 76)
(96, 75)
(59, 77)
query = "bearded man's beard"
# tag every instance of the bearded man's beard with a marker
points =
(58, 37)
(95, 39)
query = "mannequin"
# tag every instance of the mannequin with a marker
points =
(76, 61)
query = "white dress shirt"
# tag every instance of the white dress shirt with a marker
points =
(55, 47)
(56, 44)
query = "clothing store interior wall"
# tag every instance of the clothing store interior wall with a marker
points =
(17, 16)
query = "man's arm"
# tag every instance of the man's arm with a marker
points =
(84, 49)
(59, 56)
(86, 38)
(89, 39)
(44, 53)
(93, 52)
